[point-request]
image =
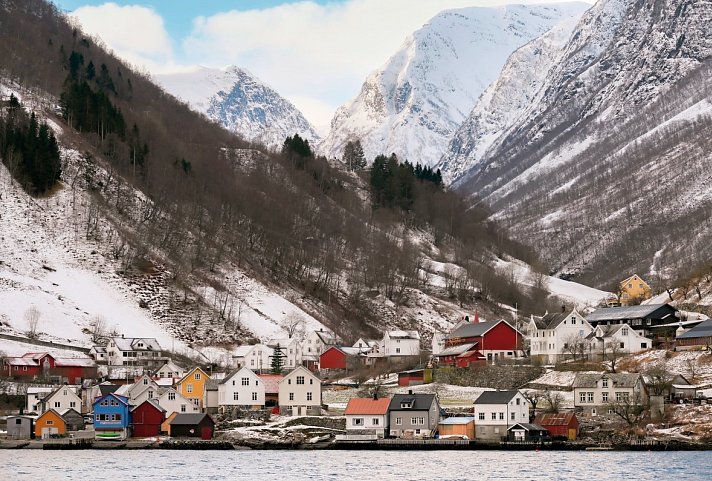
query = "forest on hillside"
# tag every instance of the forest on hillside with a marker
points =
(291, 218)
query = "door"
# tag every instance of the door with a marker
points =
(572, 434)
(206, 433)
(299, 410)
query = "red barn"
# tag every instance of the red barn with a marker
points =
(34, 365)
(342, 357)
(559, 425)
(146, 419)
(480, 341)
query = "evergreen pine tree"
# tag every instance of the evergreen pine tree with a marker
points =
(278, 359)
(359, 160)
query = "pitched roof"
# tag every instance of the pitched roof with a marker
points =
(131, 343)
(528, 427)
(105, 388)
(621, 380)
(456, 350)
(368, 406)
(211, 384)
(474, 329)
(398, 334)
(496, 397)
(626, 312)
(271, 382)
(74, 362)
(555, 419)
(152, 402)
(704, 329)
(189, 419)
(421, 402)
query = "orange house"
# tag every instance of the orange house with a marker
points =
(192, 386)
(50, 423)
(457, 426)
(633, 290)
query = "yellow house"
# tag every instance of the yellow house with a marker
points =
(633, 290)
(192, 386)
(50, 423)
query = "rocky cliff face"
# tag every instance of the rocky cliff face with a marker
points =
(413, 105)
(240, 102)
(607, 162)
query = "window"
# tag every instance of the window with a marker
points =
(311, 381)
(514, 416)
(501, 416)
(57, 404)
(254, 396)
(622, 396)
(171, 396)
(590, 397)
(49, 422)
(309, 396)
(624, 331)
(145, 382)
(182, 408)
(482, 416)
(573, 319)
(252, 362)
(300, 379)
(399, 421)
(72, 404)
(189, 388)
(291, 396)
(235, 396)
(196, 401)
(289, 381)
(375, 421)
(494, 416)
(413, 421)
(398, 350)
(18, 421)
(604, 382)
(622, 345)
(197, 376)
(604, 397)
(421, 421)
(518, 401)
(582, 397)
(643, 345)
(357, 422)
(150, 394)
(245, 381)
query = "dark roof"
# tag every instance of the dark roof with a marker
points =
(551, 320)
(496, 397)
(473, 329)
(211, 384)
(627, 312)
(189, 419)
(421, 402)
(621, 380)
(105, 389)
(703, 329)
(528, 427)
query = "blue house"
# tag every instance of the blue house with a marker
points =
(112, 417)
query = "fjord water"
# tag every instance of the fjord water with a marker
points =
(104, 464)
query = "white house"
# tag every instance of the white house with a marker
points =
(597, 393)
(64, 397)
(367, 416)
(619, 338)
(242, 387)
(257, 357)
(300, 393)
(314, 345)
(134, 351)
(401, 344)
(169, 370)
(99, 354)
(35, 395)
(553, 336)
(291, 349)
(173, 402)
(496, 411)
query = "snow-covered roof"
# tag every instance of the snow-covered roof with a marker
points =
(136, 343)
(404, 334)
(39, 390)
(458, 420)
(74, 362)
(626, 312)
(456, 350)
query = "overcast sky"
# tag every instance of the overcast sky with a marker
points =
(316, 53)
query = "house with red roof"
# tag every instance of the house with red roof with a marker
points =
(560, 425)
(477, 342)
(367, 416)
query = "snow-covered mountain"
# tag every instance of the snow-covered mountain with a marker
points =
(240, 102)
(413, 105)
(605, 166)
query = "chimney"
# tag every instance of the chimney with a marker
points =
(477, 318)
(375, 394)
(410, 391)
(122, 336)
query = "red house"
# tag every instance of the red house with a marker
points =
(34, 365)
(559, 425)
(146, 419)
(480, 341)
(342, 357)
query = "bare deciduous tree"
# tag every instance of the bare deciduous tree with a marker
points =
(294, 324)
(98, 328)
(32, 317)
(629, 408)
(554, 399)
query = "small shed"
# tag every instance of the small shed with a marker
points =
(73, 419)
(166, 425)
(527, 432)
(457, 426)
(560, 425)
(192, 426)
(415, 377)
(50, 423)
(147, 418)
(20, 427)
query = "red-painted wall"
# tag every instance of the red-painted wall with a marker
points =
(502, 337)
(332, 358)
(146, 420)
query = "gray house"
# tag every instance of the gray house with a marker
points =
(413, 415)
(20, 427)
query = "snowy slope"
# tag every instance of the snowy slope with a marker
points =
(415, 102)
(240, 102)
(578, 172)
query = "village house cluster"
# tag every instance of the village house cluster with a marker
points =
(130, 387)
